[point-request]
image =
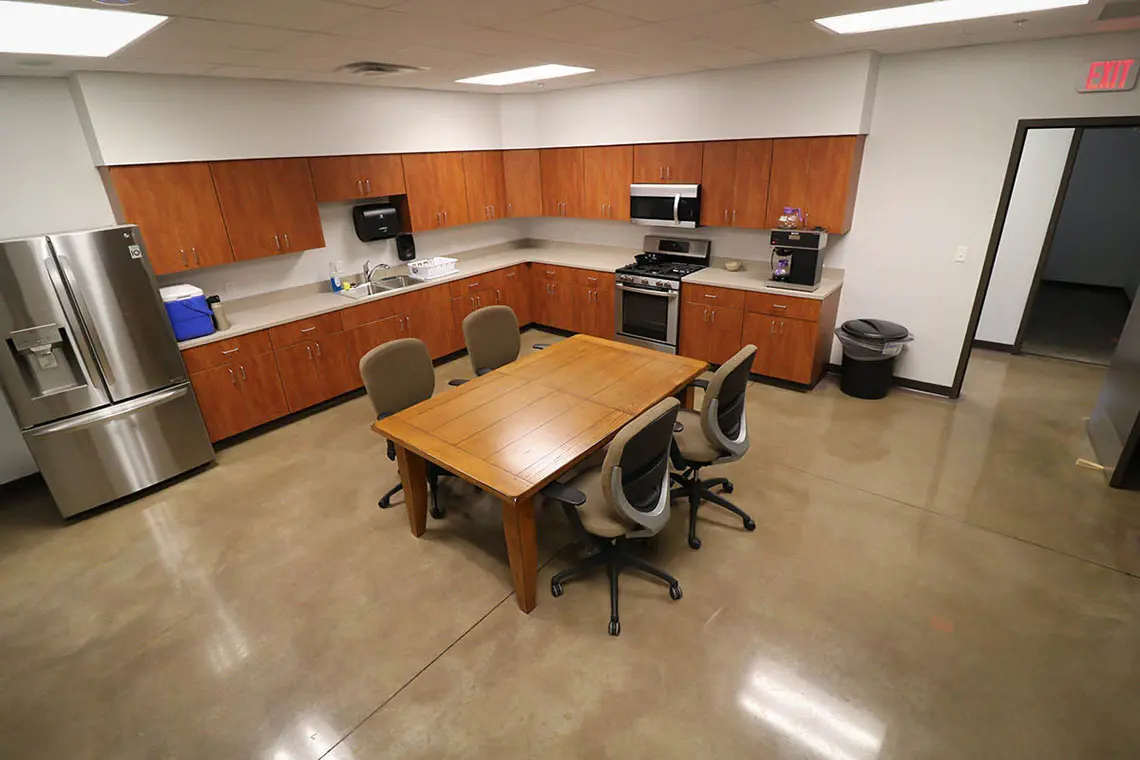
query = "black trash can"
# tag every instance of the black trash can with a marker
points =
(870, 347)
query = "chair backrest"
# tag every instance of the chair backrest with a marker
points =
(723, 418)
(635, 473)
(492, 337)
(397, 374)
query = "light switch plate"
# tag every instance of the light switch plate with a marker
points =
(960, 256)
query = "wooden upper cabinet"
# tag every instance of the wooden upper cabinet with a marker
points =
(486, 185)
(269, 206)
(718, 183)
(667, 162)
(734, 183)
(563, 173)
(522, 174)
(608, 172)
(818, 175)
(176, 207)
(437, 190)
(349, 178)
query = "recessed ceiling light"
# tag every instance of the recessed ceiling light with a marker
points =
(939, 12)
(529, 74)
(62, 30)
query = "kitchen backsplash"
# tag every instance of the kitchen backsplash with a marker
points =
(249, 278)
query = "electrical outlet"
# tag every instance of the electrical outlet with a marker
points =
(960, 256)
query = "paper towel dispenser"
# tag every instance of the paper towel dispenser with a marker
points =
(376, 221)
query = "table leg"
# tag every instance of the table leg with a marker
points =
(518, 527)
(413, 474)
(689, 397)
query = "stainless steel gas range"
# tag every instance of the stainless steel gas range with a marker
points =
(648, 294)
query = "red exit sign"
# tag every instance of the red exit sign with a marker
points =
(1109, 76)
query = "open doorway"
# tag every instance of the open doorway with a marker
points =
(1089, 270)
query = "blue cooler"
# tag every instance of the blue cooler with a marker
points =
(189, 314)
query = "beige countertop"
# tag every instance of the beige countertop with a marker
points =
(262, 312)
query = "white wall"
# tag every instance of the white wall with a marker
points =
(50, 185)
(1030, 210)
(941, 134)
(820, 96)
(138, 118)
(1098, 234)
(250, 278)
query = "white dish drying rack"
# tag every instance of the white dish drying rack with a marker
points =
(433, 268)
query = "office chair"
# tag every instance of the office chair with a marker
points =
(492, 338)
(716, 435)
(399, 374)
(627, 499)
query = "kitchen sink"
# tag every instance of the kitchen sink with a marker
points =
(383, 285)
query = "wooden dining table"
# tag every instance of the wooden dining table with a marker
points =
(516, 429)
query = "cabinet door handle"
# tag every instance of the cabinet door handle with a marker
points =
(498, 296)
(408, 321)
(310, 350)
(182, 253)
(714, 316)
(360, 187)
(286, 236)
(473, 285)
(232, 378)
(660, 172)
(510, 206)
(197, 260)
(772, 328)
(241, 369)
(403, 325)
(778, 306)
(726, 217)
(230, 351)
(277, 241)
(734, 217)
(318, 345)
(309, 329)
(512, 274)
(710, 295)
(368, 186)
(705, 317)
(445, 217)
(668, 172)
(438, 218)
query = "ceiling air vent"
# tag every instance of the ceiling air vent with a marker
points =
(374, 68)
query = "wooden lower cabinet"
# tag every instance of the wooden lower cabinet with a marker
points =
(316, 371)
(515, 293)
(785, 348)
(710, 333)
(593, 311)
(435, 328)
(240, 395)
(360, 340)
(553, 304)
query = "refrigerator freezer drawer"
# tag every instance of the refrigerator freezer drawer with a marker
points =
(115, 451)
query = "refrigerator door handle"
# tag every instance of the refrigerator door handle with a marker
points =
(85, 357)
(85, 320)
(110, 412)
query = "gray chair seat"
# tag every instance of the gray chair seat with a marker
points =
(692, 441)
(596, 515)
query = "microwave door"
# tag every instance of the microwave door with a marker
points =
(113, 287)
(47, 368)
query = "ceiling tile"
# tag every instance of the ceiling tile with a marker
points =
(575, 24)
(346, 48)
(482, 12)
(663, 10)
(743, 27)
(161, 7)
(434, 57)
(254, 72)
(189, 33)
(303, 15)
(286, 61)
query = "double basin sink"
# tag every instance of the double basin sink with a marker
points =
(383, 285)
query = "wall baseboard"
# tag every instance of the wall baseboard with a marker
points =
(905, 382)
(992, 346)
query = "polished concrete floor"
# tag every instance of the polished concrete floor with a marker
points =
(928, 580)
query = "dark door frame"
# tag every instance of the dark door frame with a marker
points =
(1023, 127)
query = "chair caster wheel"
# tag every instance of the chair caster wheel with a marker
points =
(555, 589)
(437, 513)
(694, 543)
(675, 591)
(726, 488)
(615, 627)
(749, 524)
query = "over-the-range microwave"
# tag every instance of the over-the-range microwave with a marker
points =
(665, 205)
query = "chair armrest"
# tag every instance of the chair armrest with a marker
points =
(565, 494)
(483, 371)
(698, 383)
(540, 346)
(457, 382)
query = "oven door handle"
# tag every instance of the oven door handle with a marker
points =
(677, 209)
(660, 293)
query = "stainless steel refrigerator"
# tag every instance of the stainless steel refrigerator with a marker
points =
(91, 368)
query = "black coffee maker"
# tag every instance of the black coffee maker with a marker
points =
(797, 258)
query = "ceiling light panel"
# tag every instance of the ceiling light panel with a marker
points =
(938, 12)
(529, 74)
(63, 30)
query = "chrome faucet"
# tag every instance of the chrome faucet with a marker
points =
(370, 270)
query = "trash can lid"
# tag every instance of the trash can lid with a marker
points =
(875, 329)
